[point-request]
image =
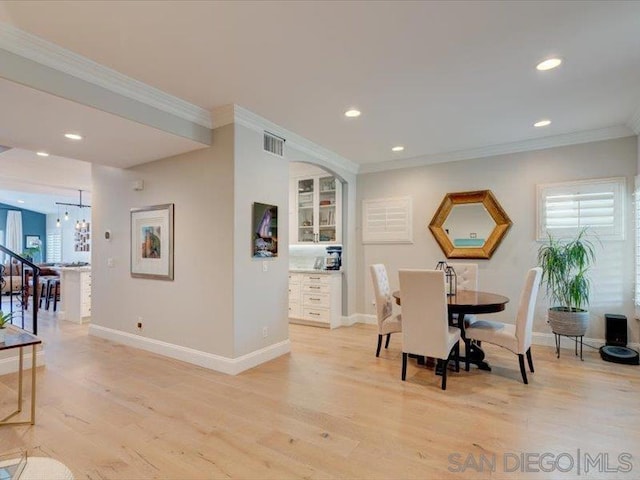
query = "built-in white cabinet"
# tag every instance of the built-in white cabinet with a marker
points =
(75, 294)
(317, 210)
(315, 298)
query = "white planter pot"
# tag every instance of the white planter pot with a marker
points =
(569, 323)
(3, 331)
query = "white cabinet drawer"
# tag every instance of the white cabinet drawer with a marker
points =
(316, 314)
(319, 288)
(315, 278)
(315, 300)
(295, 278)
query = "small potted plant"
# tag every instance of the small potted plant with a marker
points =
(32, 254)
(5, 320)
(565, 264)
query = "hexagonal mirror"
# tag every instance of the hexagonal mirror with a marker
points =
(469, 224)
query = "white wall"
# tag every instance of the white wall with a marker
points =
(260, 298)
(196, 309)
(513, 179)
(297, 169)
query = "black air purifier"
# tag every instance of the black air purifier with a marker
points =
(615, 349)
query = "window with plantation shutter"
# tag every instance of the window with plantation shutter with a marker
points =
(565, 208)
(636, 214)
(54, 247)
(387, 220)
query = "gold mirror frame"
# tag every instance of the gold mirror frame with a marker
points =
(499, 216)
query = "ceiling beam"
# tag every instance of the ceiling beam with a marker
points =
(36, 63)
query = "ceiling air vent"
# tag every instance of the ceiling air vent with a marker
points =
(273, 144)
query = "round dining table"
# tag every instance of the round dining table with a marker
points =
(470, 302)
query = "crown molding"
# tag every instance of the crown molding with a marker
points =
(574, 138)
(634, 122)
(34, 48)
(255, 122)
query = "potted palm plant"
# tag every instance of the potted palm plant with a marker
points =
(565, 264)
(5, 320)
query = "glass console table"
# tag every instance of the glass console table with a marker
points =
(16, 338)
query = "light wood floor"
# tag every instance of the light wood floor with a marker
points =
(330, 409)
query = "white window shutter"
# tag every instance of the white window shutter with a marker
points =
(636, 203)
(387, 220)
(54, 247)
(565, 208)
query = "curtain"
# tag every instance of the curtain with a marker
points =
(14, 231)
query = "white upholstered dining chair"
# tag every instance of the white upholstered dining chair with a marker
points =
(425, 330)
(516, 338)
(388, 323)
(466, 279)
(466, 275)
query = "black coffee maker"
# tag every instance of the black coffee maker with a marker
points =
(333, 258)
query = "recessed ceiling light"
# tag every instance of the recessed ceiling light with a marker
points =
(73, 136)
(20, 201)
(353, 113)
(549, 63)
(398, 148)
(542, 123)
(42, 154)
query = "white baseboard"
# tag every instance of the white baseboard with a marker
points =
(10, 364)
(547, 339)
(230, 366)
(366, 318)
(347, 321)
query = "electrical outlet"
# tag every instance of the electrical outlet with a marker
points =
(265, 266)
(139, 323)
(265, 332)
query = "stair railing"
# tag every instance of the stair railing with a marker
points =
(22, 292)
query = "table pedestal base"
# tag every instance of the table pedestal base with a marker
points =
(476, 356)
